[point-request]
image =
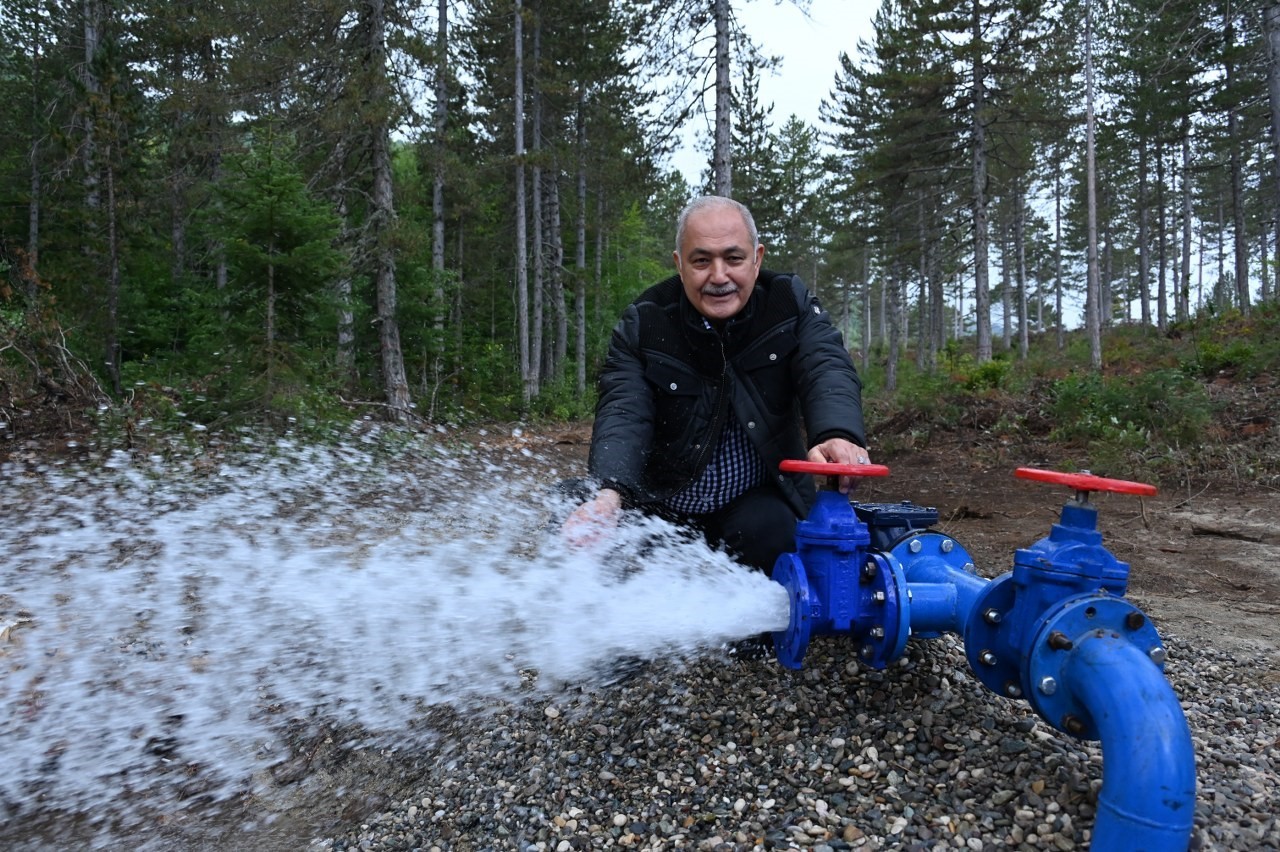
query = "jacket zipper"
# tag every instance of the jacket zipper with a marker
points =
(717, 421)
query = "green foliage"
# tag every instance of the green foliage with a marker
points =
(560, 401)
(1163, 406)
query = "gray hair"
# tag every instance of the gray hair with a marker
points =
(707, 202)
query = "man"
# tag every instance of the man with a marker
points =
(701, 396)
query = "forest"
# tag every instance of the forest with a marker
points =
(285, 213)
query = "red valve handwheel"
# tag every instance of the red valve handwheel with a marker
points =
(1085, 481)
(832, 468)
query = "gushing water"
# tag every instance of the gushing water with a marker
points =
(163, 624)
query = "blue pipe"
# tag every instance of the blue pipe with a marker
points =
(1147, 801)
(941, 584)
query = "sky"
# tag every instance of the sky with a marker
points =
(810, 51)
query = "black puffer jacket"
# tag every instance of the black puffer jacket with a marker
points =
(669, 384)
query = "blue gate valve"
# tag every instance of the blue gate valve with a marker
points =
(835, 583)
(1056, 631)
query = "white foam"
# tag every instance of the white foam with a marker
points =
(167, 621)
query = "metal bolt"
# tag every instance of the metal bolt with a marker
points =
(915, 546)
(1134, 620)
(987, 658)
(877, 632)
(1072, 725)
(1158, 655)
(867, 651)
(970, 567)
(991, 616)
(869, 571)
(1048, 686)
(947, 544)
(1059, 641)
(878, 597)
(1012, 690)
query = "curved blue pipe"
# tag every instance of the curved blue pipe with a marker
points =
(1147, 801)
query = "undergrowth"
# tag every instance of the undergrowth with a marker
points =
(1197, 402)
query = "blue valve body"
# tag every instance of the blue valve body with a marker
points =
(1055, 631)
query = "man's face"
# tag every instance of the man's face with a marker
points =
(716, 263)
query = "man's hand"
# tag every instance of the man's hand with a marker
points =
(840, 451)
(594, 519)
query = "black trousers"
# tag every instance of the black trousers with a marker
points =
(755, 529)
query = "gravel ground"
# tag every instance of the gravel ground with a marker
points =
(722, 754)
(707, 753)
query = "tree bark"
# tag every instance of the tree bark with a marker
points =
(528, 378)
(981, 285)
(1240, 241)
(395, 384)
(1092, 312)
(1020, 252)
(580, 252)
(113, 278)
(1162, 244)
(1144, 233)
(1059, 322)
(1271, 24)
(722, 158)
(1184, 279)
(346, 356)
(441, 119)
(538, 321)
(93, 20)
(555, 270)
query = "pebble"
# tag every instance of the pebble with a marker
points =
(731, 754)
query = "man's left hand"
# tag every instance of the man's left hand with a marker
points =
(840, 451)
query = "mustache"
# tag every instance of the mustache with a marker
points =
(719, 289)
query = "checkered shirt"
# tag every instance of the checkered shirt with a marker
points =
(734, 469)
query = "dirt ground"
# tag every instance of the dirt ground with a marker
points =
(1205, 565)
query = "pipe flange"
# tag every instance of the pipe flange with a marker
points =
(1070, 623)
(883, 629)
(790, 645)
(986, 633)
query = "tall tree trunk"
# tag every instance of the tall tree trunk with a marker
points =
(922, 302)
(1162, 244)
(560, 340)
(1020, 252)
(1237, 168)
(346, 359)
(1221, 296)
(440, 115)
(1059, 322)
(528, 378)
(1184, 279)
(1271, 24)
(982, 296)
(598, 277)
(93, 22)
(866, 307)
(580, 253)
(1092, 312)
(722, 158)
(31, 274)
(893, 296)
(395, 384)
(1006, 288)
(537, 365)
(1144, 233)
(113, 276)
(269, 390)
